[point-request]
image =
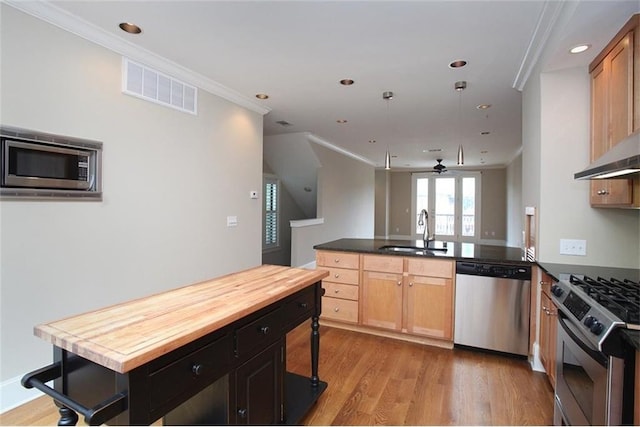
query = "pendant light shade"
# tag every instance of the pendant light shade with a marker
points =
(387, 157)
(460, 156)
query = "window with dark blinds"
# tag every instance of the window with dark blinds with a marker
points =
(271, 231)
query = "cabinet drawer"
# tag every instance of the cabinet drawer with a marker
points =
(342, 275)
(259, 333)
(387, 264)
(340, 309)
(339, 290)
(430, 267)
(299, 308)
(338, 259)
(189, 374)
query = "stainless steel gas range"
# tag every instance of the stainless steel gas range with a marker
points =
(595, 362)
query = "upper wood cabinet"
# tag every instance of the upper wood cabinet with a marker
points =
(615, 106)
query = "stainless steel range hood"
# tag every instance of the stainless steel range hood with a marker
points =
(621, 161)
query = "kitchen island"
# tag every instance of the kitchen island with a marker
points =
(211, 353)
(440, 249)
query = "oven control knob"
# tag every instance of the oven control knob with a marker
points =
(557, 290)
(597, 328)
(589, 321)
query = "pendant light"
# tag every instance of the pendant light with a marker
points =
(387, 157)
(459, 87)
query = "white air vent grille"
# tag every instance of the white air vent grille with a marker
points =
(146, 83)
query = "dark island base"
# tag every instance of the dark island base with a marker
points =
(300, 397)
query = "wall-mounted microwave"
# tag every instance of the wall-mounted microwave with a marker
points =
(36, 164)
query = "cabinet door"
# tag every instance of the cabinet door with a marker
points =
(612, 117)
(382, 300)
(259, 389)
(430, 306)
(548, 334)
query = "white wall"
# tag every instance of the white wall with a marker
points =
(346, 203)
(612, 235)
(515, 210)
(170, 180)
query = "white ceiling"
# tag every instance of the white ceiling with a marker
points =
(297, 51)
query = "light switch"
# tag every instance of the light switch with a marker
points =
(573, 247)
(232, 221)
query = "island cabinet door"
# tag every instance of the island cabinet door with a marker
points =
(429, 306)
(258, 390)
(382, 300)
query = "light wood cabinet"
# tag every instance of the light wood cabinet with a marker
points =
(429, 302)
(613, 113)
(342, 286)
(410, 295)
(548, 329)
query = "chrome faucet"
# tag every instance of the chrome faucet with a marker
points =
(423, 220)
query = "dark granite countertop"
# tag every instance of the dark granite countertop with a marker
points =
(454, 250)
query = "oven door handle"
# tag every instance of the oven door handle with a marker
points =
(581, 342)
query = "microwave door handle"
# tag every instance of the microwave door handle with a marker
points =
(581, 342)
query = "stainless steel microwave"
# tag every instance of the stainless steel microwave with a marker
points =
(36, 164)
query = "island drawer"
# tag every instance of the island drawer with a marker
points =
(339, 290)
(342, 275)
(259, 333)
(431, 267)
(340, 309)
(299, 308)
(383, 263)
(338, 259)
(191, 373)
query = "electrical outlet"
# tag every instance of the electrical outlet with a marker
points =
(253, 194)
(573, 247)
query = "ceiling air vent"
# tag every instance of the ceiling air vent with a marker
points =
(147, 83)
(283, 123)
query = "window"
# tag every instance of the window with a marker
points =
(271, 212)
(453, 204)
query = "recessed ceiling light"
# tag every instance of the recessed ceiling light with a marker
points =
(372, 141)
(484, 152)
(130, 28)
(486, 132)
(262, 96)
(341, 121)
(579, 48)
(346, 82)
(483, 106)
(432, 150)
(458, 63)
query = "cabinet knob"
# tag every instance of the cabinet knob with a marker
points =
(197, 369)
(242, 413)
(337, 309)
(543, 283)
(602, 192)
(303, 305)
(336, 275)
(336, 260)
(336, 291)
(410, 283)
(264, 330)
(399, 282)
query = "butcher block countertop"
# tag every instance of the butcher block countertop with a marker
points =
(125, 336)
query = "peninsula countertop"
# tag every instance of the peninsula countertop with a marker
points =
(124, 336)
(446, 250)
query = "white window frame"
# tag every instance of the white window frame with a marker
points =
(457, 237)
(270, 179)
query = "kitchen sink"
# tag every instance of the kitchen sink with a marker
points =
(404, 249)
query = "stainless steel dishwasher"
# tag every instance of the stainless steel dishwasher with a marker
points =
(492, 306)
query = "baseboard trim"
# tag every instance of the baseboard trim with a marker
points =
(13, 394)
(388, 334)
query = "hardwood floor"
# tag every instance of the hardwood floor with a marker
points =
(381, 381)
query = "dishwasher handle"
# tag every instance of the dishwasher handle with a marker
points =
(508, 271)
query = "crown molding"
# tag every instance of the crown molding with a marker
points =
(48, 12)
(544, 27)
(314, 138)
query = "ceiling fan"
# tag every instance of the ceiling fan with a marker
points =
(439, 168)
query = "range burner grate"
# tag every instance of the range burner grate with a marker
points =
(620, 297)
